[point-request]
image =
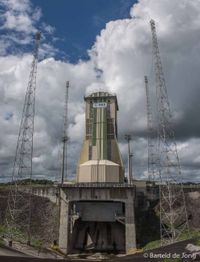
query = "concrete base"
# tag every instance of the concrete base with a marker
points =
(99, 217)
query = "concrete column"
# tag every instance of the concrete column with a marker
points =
(130, 233)
(64, 223)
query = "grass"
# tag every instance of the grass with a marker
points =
(38, 244)
(16, 233)
(18, 236)
(3, 230)
(1, 242)
(184, 236)
(197, 242)
(152, 245)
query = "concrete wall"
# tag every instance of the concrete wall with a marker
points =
(50, 192)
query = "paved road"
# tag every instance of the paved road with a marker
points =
(30, 259)
(9, 252)
(9, 255)
(177, 248)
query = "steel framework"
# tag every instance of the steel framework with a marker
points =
(19, 200)
(152, 161)
(130, 156)
(65, 136)
(173, 214)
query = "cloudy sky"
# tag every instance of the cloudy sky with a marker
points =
(98, 45)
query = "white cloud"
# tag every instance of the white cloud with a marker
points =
(20, 23)
(18, 16)
(123, 52)
(48, 28)
(21, 20)
(20, 6)
(51, 81)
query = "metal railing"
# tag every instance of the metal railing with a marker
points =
(99, 185)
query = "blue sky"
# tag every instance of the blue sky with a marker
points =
(74, 24)
(78, 22)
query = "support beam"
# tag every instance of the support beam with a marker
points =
(64, 223)
(130, 226)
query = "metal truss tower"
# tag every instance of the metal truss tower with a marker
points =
(65, 137)
(151, 136)
(173, 214)
(130, 155)
(19, 200)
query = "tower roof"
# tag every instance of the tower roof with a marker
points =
(102, 94)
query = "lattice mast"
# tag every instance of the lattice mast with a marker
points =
(65, 136)
(19, 200)
(151, 135)
(173, 214)
(130, 155)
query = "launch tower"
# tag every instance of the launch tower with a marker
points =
(100, 159)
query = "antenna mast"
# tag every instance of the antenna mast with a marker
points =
(173, 214)
(65, 136)
(151, 134)
(19, 200)
(130, 155)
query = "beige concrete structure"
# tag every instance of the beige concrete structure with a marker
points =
(100, 141)
(99, 171)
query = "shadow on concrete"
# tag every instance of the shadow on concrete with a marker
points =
(147, 225)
